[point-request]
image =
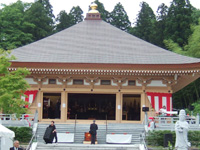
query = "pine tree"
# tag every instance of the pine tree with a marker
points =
(76, 15)
(160, 25)
(178, 21)
(105, 15)
(145, 24)
(43, 23)
(48, 8)
(119, 18)
(64, 21)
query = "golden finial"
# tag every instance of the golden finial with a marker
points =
(93, 7)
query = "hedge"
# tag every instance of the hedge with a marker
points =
(156, 138)
(22, 134)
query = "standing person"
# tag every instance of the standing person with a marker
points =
(16, 146)
(54, 133)
(93, 132)
(151, 125)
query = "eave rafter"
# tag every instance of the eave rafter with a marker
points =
(118, 72)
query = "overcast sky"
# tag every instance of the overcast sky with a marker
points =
(132, 7)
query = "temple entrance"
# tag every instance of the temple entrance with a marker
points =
(91, 106)
(51, 105)
(131, 107)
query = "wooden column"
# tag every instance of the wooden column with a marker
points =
(63, 107)
(143, 102)
(66, 102)
(40, 103)
(118, 114)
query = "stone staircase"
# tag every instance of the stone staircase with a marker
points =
(42, 146)
(134, 129)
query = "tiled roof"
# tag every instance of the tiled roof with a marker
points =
(95, 41)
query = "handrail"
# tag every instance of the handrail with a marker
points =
(172, 120)
(106, 124)
(75, 124)
(34, 130)
(31, 141)
(143, 140)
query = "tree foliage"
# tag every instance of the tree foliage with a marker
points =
(119, 18)
(178, 21)
(76, 15)
(14, 27)
(145, 24)
(160, 25)
(43, 22)
(105, 15)
(64, 21)
(193, 47)
(12, 86)
(48, 8)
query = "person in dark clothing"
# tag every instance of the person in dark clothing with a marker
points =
(93, 132)
(53, 131)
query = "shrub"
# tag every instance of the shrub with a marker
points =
(22, 134)
(156, 138)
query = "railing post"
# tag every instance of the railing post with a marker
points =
(106, 124)
(75, 124)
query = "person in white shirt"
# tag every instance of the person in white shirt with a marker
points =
(163, 110)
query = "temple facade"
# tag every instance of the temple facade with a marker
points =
(94, 70)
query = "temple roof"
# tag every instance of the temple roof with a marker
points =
(95, 41)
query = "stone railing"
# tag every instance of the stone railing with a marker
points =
(170, 121)
(13, 120)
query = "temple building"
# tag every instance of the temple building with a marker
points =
(94, 70)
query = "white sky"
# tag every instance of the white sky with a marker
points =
(132, 7)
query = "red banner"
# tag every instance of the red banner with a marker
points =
(30, 97)
(158, 100)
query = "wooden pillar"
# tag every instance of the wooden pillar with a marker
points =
(66, 102)
(118, 115)
(40, 105)
(63, 106)
(143, 102)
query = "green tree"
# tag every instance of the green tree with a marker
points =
(12, 86)
(178, 21)
(105, 15)
(13, 26)
(195, 15)
(64, 21)
(43, 23)
(193, 47)
(145, 24)
(48, 8)
(172, 46)
(119, 18)
(189, 95)
(160, 25)
(76, 15)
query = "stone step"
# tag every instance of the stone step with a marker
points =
(60, 146)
